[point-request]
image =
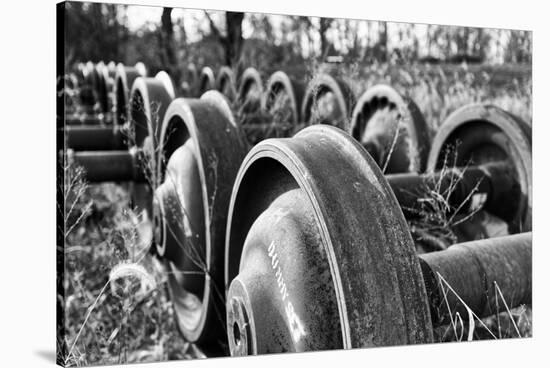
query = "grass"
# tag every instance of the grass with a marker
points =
(117, 308)
(116, 305)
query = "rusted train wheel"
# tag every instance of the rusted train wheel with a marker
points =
(392, 129)
(199, 167)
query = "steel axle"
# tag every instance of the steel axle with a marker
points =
(467, 189)
(117, 166)
(96, 138)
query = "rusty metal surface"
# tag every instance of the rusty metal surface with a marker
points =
(328, 100)
(477, 134)
(213, 148)
(387, 123)
(373, 268)
(468, 274)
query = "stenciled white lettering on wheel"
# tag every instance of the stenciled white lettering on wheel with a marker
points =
(295, 325)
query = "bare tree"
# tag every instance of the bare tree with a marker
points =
(232, 41)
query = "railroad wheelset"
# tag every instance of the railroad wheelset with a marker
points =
(392, 129)
(289, 208)
(266, 179)
(318, 255)
(129, 151)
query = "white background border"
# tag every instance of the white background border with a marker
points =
(27, 113)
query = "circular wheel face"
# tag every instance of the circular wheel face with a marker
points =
(199, 159)
(312, 263)
(486, 135)
(327, 101)
(392, 129)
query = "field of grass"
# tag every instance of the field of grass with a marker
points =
(117, 308)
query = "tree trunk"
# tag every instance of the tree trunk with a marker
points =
(234, 41)
(168, 45)
(324, 25)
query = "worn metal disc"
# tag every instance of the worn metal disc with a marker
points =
(198, 169)
(282, 91)
(328, 100)
(392, 129)
(481, 134)
(250, 91)
(226, 83)
(207, 81)
(318, 254)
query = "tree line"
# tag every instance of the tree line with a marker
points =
(101, 32)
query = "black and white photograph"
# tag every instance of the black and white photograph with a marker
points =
(241, 183)
(233, 183)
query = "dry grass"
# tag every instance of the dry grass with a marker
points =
(116, 306)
